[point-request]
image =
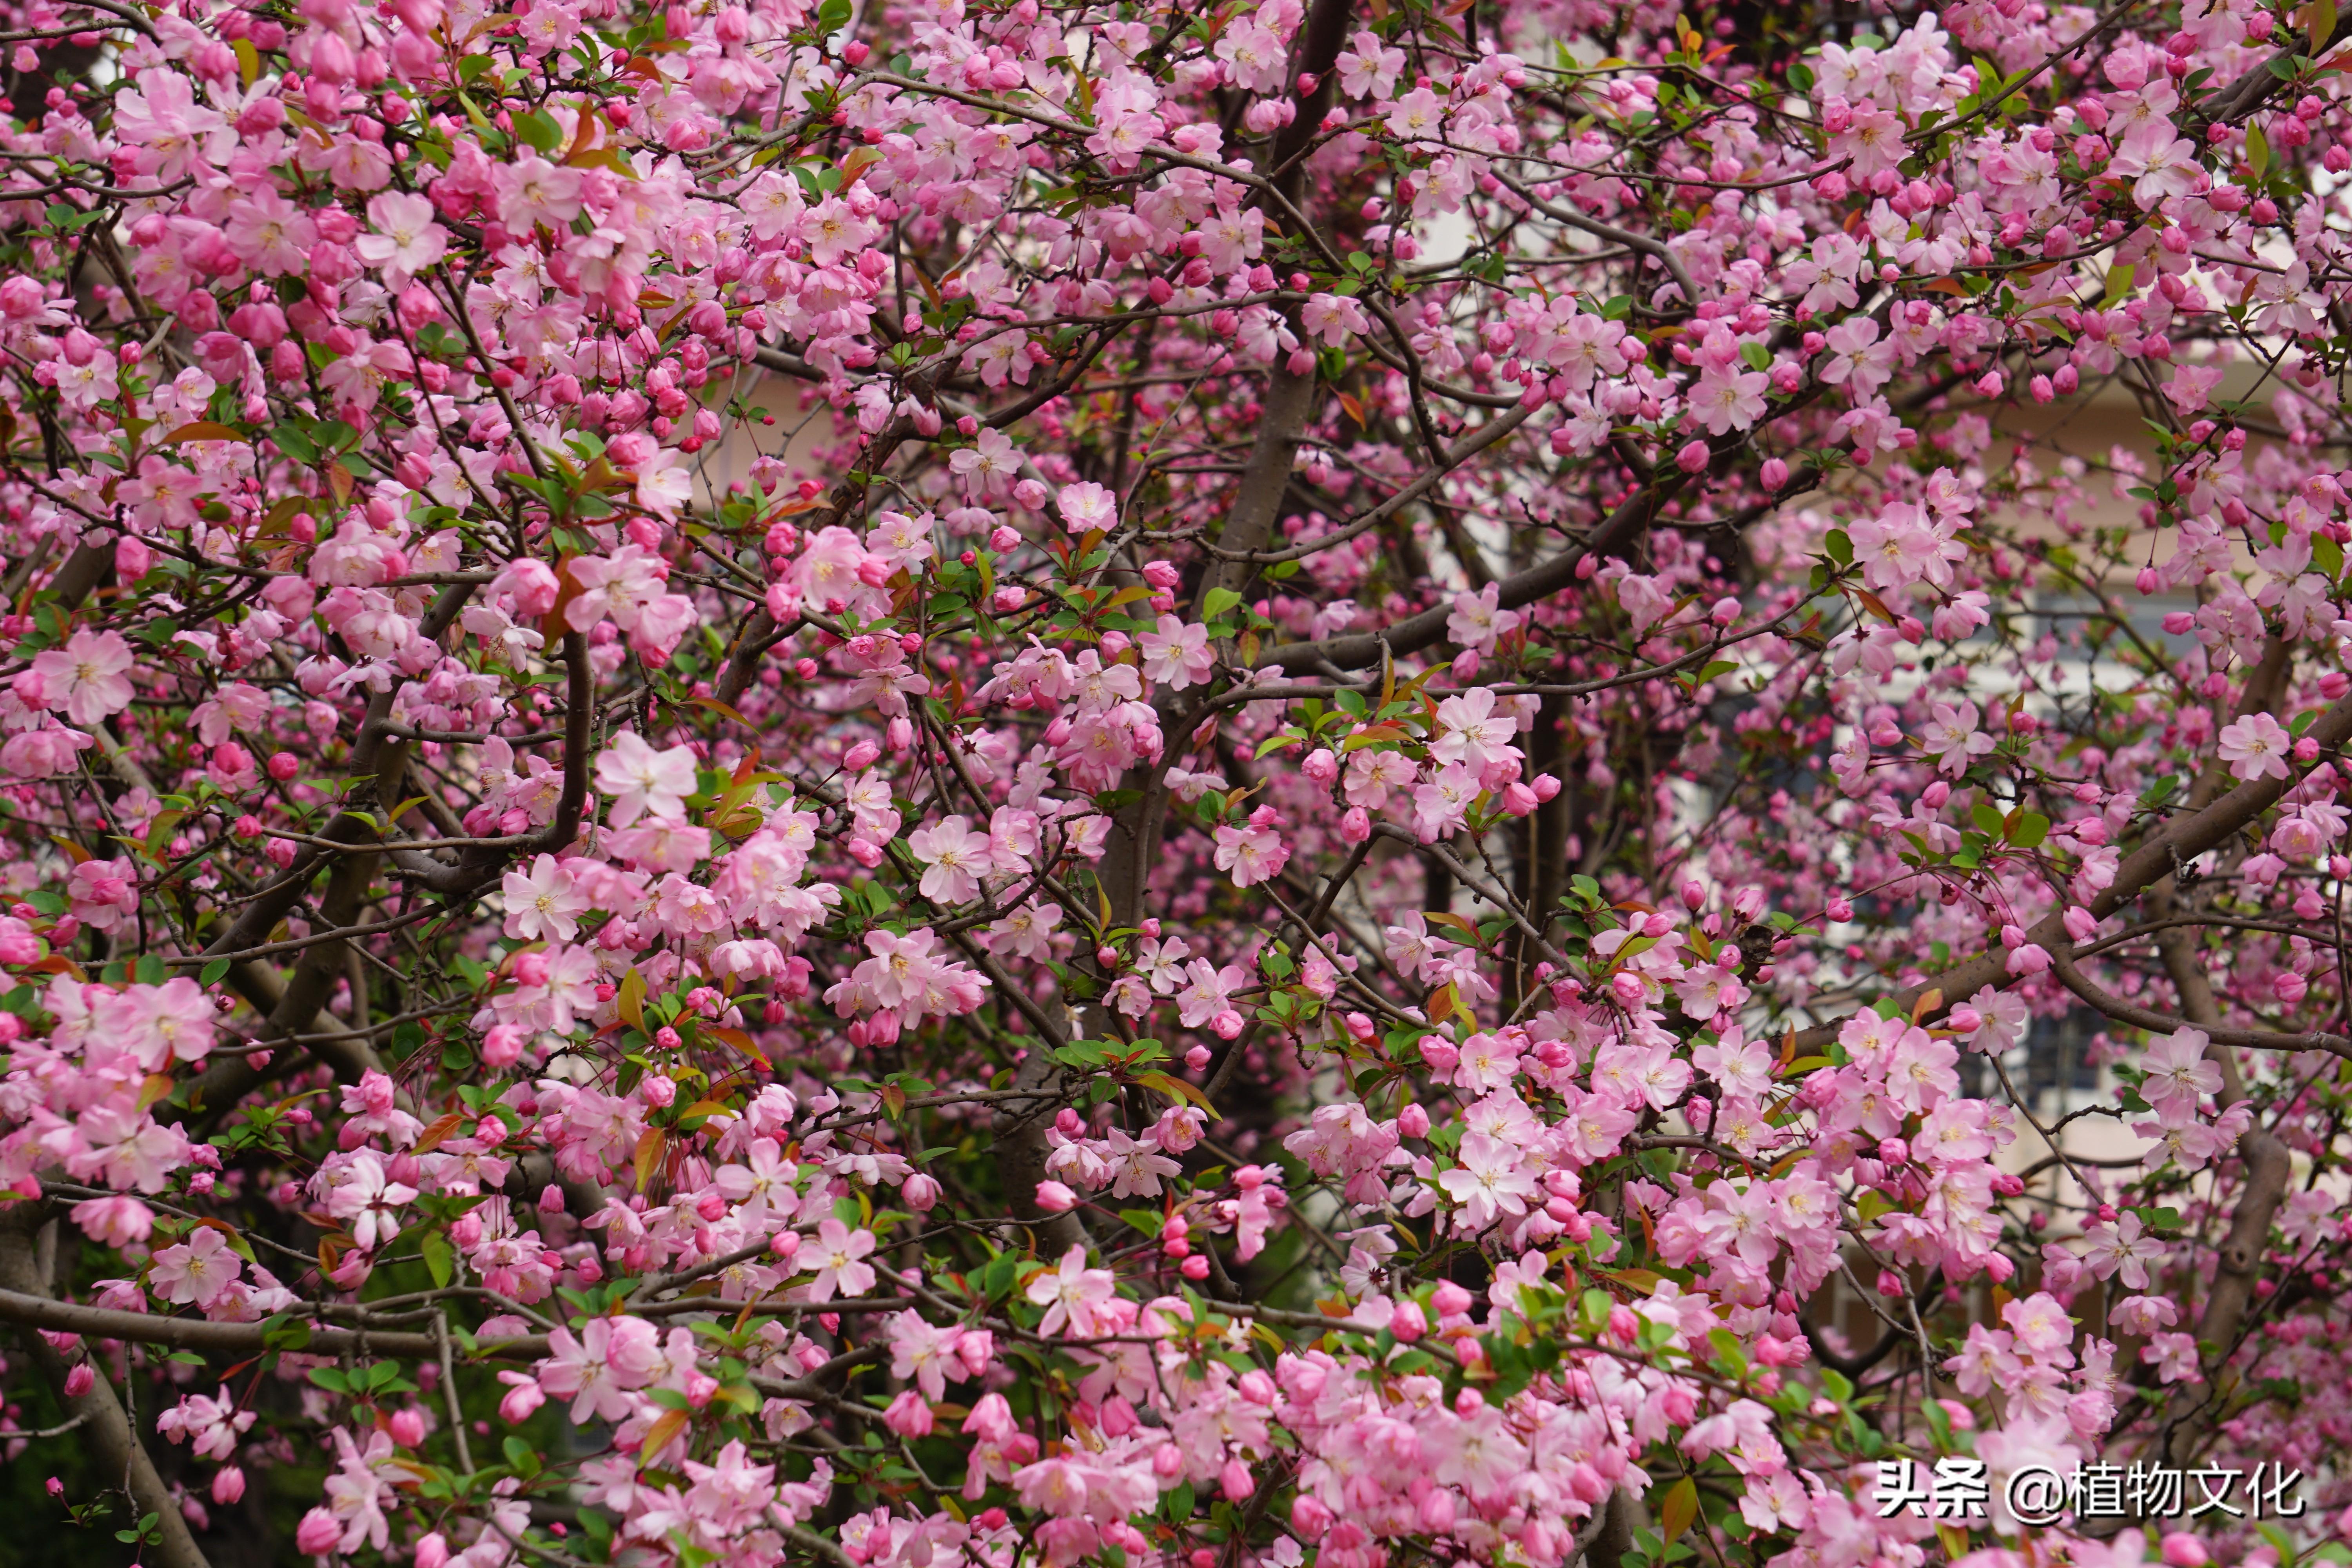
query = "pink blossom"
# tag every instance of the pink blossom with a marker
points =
(2255, 747)
(836, 1259)
(1073, 1296)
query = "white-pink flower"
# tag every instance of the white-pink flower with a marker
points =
(2178, 1074)
(955, 859)
(2256, 747)
(1953, 739)
(1176, 655)
(599, 1369)
(1251, 854)
(1073, 1296)
(198, 1271)
(988, 466)
(159, 1024)
(89, 676)
(1368, 69)
(1488, 1182)
(366, 1196)
(1088, 506)
(1478, 620)
(406, 240)
(643, 781)
(211, 1425)
(2158, 163)
(1469, 730)
(837, 1260)
(543, 904)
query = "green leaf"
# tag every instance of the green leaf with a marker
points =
(2258, 151)
(1681, 1506)
(2119, 282)
(539, 130)
(1837, 548)
(284, 1333)
(212, 973)
(294, 444)
(2029, 830)
(1758, 356)
(1219, 601)
(383, 1377)
(437, 1258)
(2328, 555)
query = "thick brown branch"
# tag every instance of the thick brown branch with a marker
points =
(32, 1309)
(2181, 840)
(2061, 963)
(1361, 650)
(106, 1426)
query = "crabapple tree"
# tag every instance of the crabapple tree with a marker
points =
(937, 783)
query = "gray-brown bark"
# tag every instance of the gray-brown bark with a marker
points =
(105, 1425)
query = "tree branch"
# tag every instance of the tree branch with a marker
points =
(2182, 840)
(1360, 650)
(2062, 964)
(99, 1411)
(24, 1304)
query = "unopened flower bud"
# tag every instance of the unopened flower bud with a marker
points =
(2182, 1550)
(1407, 1323)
